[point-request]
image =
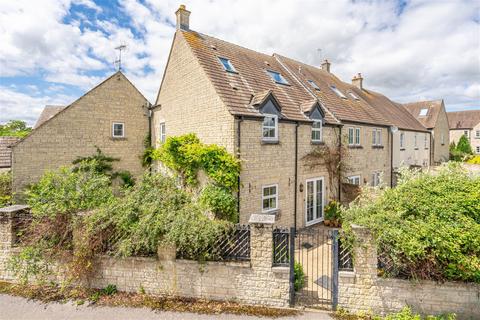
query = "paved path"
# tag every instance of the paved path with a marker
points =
(15, 308)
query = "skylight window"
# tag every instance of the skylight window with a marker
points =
(313, 84)
(277, 77)
(353, 95)
(338, 92)
(227, 65)
(423, 112)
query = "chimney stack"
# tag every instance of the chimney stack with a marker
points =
(183, 18)
(357, 81)
(326, 65)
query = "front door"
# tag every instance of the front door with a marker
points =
(314, 201)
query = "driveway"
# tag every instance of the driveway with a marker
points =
(15, 308)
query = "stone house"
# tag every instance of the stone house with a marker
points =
(112, 116)
(276, 114)
(465, 123)
(433, 116)
(6, 152)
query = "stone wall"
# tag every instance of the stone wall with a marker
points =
(250, 282)
(363, 291)
(441, 138)
(77, 130)
(409, 154)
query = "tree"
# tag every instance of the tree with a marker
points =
(15, 128)
(464, 145)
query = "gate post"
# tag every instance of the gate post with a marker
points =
(334, 269)
(292, 265)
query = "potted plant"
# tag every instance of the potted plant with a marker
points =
(332, 214)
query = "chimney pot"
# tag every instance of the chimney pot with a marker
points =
(326, 65)
(357, 81)
(183, 18)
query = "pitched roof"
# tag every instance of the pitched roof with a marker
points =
(345, 109)
(6, 152)
(463, 119)
(251, 81)
(394, 112)
(432, 109)
(47, 113)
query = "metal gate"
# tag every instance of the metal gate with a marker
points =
(316, 254)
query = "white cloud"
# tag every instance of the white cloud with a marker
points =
(429, 51)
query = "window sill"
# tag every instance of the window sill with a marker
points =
(355, 147)
(270, 141)
(415, 148)
(402, 149)
(377, 147)
(118, 138)
(271, 212)
(234, 72)
(317, 143)
(283, 84)
(426, 148)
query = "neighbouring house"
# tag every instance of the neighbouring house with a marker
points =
(112, 116)
(6, 152)
(465, 123)
(279, 116)
(433, 116)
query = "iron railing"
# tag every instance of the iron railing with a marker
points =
(281, 251)
(232, 245)
(345, 261)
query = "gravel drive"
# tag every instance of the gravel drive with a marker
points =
(16, 308)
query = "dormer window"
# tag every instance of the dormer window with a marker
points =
(277, 77)
(423, 112)
(317, 131)
(353, 95)
(227, 64)
(270, 128)
(314, 85)
(338, 92)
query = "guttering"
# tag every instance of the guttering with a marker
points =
(340, 161)
(295, 179)
(391, 157)
(240, 119)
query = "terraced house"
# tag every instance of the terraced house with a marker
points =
(466, 123)
(288, 122)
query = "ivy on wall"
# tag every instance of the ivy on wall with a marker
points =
(186, 156)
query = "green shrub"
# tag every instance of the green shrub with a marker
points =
(220, 202)
(464, 145)
(332, 210)
(299, 276)
(5, 189)
(428, 226)
(407, 314)
(186, 155)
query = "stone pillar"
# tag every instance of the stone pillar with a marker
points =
(261, 244)
(365, 252)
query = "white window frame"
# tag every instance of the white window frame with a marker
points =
(477, 149)
(425, 141)
(313, 84)
(352, 179)
(465, 133)
(415, 141)
(376, 137)
(320, 130)
(113, 130)
(162, 132)
(322, 215)
(275, 127)
(402, 140)
(358, 141)
(423, 112)
(477, 134)
(275, 196)
(375, 178)
(442, 138)
(355, 134)
(353, 95)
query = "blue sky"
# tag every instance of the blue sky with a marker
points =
(53, 51)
